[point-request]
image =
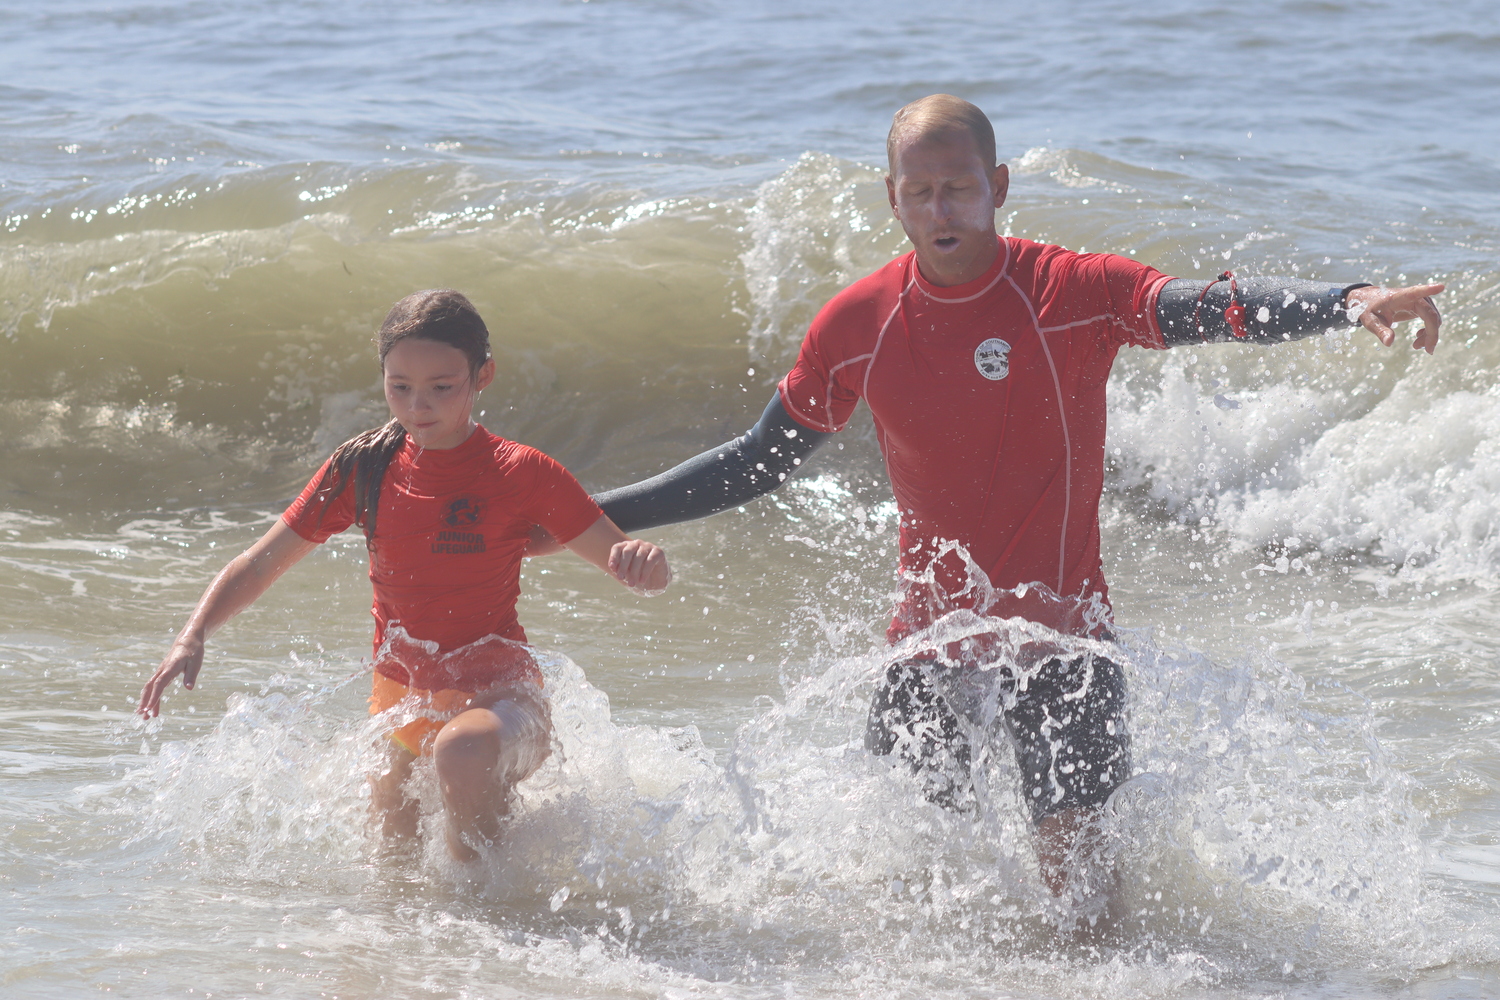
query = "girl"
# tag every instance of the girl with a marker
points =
(447, 509)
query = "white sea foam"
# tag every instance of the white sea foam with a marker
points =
(1415, 482)
(1411, 482)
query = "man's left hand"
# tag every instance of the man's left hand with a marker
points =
(1376, 309)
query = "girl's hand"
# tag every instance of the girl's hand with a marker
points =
(637, 564)
(185, 658)
(640, 566)
(235, 588)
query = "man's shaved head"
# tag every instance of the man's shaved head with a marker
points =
(934, 115)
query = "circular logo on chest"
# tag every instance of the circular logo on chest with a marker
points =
(464, 512)
(992, 358)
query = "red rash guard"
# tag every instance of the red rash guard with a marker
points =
(445, 560)
(989, 404)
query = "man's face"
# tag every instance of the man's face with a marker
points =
(945, 196)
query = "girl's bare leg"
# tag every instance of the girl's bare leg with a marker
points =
(390, 806)
(480, 756)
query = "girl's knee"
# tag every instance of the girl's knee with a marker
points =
(473, 739)
(505, 740)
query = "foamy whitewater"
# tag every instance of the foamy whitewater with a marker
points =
(206, 210)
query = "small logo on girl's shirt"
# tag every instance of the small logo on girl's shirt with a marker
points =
(464, 512)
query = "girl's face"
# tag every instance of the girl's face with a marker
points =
(430, 390)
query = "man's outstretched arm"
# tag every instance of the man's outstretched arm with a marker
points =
(1276, 309)
(751, 465)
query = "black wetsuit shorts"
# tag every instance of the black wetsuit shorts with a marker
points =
(1065, 722)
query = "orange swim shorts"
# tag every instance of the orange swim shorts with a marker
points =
(502, 669)
(527, 715)
(433, 710)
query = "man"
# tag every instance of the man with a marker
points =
(984, 362)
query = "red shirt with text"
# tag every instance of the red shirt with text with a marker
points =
(450, 532)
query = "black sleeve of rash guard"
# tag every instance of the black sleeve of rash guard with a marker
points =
(751, 465)
(1276, 309)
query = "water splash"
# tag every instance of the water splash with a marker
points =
(814, 229)
(1265, 836)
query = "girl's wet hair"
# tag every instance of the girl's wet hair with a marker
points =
(439, 314)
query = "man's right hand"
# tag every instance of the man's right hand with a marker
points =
(185, 658)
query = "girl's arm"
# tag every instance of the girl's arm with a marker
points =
(637, 564)
(235, 588)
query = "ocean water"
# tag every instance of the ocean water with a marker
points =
(206, 209)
